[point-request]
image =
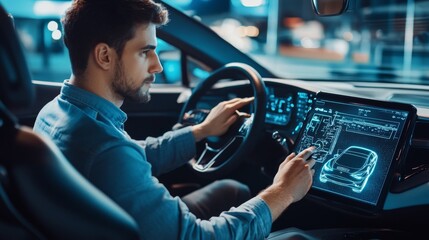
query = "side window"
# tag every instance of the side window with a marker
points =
(197, 71)
(48, 59)
(42, 42)
(170, 58)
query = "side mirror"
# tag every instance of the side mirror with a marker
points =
(329, 7)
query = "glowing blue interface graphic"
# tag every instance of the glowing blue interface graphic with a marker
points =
(355, 147)
(352, 168)
(282, 107)
(279, 109)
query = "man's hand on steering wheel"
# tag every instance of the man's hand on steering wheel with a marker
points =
(220, 118)
(226, 137)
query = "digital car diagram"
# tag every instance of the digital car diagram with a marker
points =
(352, 168)
(325, 128)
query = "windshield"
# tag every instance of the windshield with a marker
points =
(373, 41)
(379, 41)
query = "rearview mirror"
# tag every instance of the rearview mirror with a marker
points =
(329, 7)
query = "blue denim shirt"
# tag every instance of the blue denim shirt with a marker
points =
(89, 130)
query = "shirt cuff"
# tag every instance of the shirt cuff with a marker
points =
(263, 213)
(186, 141)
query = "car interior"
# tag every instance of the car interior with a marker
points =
(371, 173)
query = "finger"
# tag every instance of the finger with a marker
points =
(290, 157)
(242, 114)
(310, 163)
(231, 120)
(242, 102)
(232, 101)
(239, 99)
(306, 153)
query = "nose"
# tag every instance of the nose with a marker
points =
(156, 66)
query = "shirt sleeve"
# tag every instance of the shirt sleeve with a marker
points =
(169, 151)
(125, 176)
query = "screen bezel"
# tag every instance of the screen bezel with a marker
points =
(398, 158)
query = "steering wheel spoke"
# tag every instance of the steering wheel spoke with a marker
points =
(245, 127)
(215, 157)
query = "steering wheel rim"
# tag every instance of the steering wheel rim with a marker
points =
(249, 129)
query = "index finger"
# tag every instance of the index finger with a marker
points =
(242, 102)
(306, 153)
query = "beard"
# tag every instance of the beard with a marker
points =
(126, 87)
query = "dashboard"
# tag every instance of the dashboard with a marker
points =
(287, 110)
(288, 105)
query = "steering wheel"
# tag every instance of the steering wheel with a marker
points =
(220, 155)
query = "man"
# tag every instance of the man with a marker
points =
(112, 50)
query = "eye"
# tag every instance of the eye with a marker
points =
(144, 53)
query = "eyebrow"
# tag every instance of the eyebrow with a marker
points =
(150, 47)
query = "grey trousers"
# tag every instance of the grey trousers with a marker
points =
(216, 197)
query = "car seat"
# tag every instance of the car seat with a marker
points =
(41, 195)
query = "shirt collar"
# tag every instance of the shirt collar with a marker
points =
(98, 104)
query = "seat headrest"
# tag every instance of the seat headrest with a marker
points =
(16, 88)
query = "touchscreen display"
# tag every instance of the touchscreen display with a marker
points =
(356, 143)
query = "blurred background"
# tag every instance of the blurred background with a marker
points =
(384, 40)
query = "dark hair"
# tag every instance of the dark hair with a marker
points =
(89, 22)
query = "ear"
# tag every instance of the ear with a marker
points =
(104, 56)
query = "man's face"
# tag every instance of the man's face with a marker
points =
(135, 69)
